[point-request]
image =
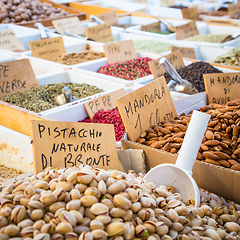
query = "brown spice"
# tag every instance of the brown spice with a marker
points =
(8, 173)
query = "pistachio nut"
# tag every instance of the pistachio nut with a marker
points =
(150, 226)
(37, 214)
(232, 227)
(99, 234)
(57, 236)
(162, 228)
(67, 217)
(116, 188)
(40, 184)
(108, 203)
(84, 177)
(88, 201)
(29, 191)
(212, 234)
(57, 205)
(11, 230)
(75, 194)
(96, 224)
(104, 219)
(72, 177)
(27, 232)
(117, 212)
(65, 185)
(77, 215)
(48, 198)
(60, 193)
(38, 224)
(80, 229)
(121, 202)
(115, 229)
(141, 232)
(48, 228)
(25, 223)
(42, 236)
(32, 205)
(64, 227)
(99, 209)
(71, 236)
(18, 214)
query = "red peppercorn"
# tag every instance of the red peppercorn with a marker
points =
(129, 70)
(109, 117)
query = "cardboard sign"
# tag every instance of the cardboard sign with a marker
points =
(71, 24)
(141, 1)
(186, 30)
(222, 87)
(16, 76)
(234, 10)
(105, 102)
(148, 105)
(185, 52)
(110, 16)
(167, 3)
(190, 13)
(100, 33)
(48, 48)
(151, 27)
(9, 41)
(158, 70)
(67, 144)
(120, 51)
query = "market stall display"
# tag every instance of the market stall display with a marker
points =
(68, 124)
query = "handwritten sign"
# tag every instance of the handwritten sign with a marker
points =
(9, 41)
(141, 1)
(190, 13)
(222, 87)
(186, 30)
(234, 10)
(105, 102)
(185, 52)
(67, 144)
(120, 51)
(71, 24)
(151, 27)
(167, 3)
(16, 76)
(100, 33)
(110, 16)
(148, 105)
(48, 48)
(174, 58)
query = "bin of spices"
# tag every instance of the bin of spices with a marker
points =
(231, 58)
(194, 73)
(212, 38)
(129, 70)
(109, 117)
(42, 98)
(76, 58)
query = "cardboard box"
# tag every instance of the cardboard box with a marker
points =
(219, 180)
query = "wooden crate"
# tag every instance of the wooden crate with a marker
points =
(17, 118)
(95, 10)
(48, 22)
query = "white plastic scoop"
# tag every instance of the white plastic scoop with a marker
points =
(180, 174)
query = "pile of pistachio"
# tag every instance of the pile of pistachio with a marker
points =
(83, 203)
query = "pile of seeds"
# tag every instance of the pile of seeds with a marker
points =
(151, 46)
(194, 73)
(231, 58)
(42, 98)
(75, 58)
(110, 117)
(221, 142)
(84, 203)
(128, 70)
(8, 173)
(213, 38)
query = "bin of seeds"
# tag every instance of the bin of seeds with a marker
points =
(91, 203)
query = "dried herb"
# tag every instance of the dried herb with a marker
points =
(42, 98)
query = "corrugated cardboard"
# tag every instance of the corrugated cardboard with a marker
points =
(221, 181)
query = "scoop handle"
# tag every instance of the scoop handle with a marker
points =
(170, 69)
(192, 141)
(96, 19)
(42, 30)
